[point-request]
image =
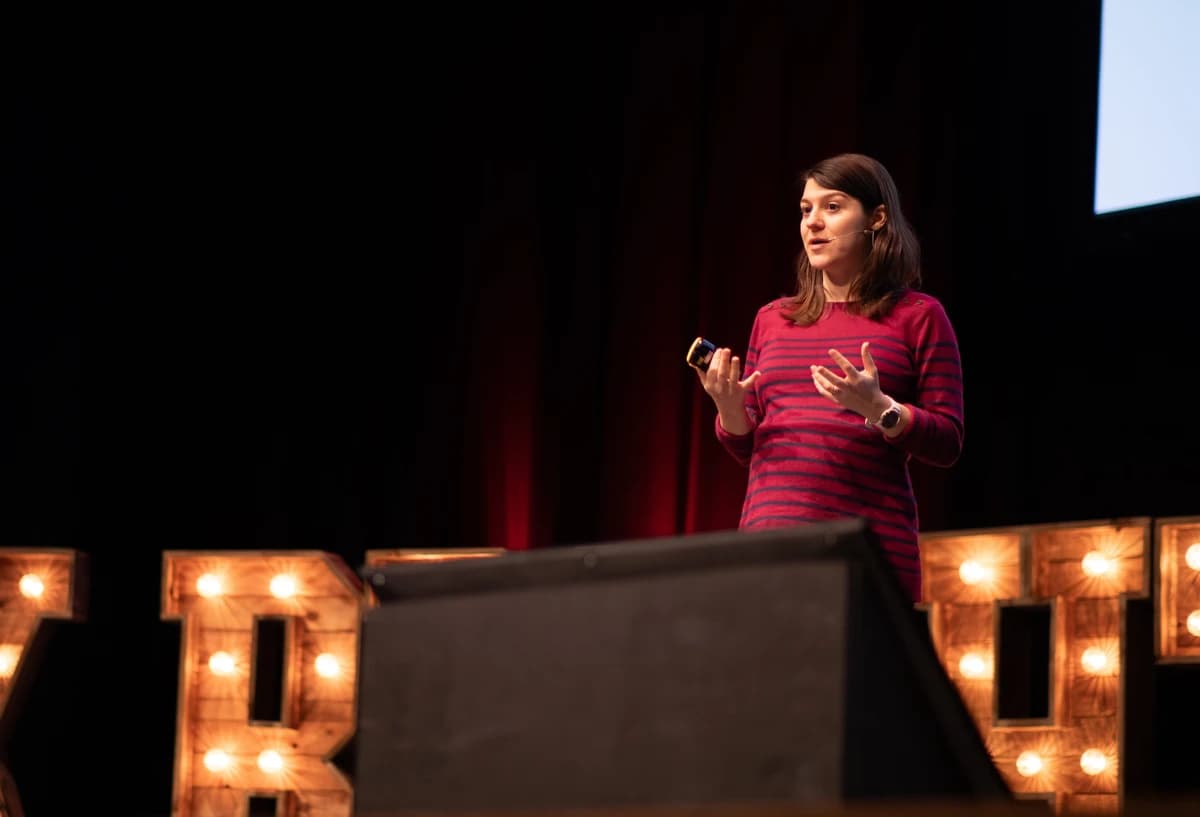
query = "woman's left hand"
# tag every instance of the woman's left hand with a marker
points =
(855, 389)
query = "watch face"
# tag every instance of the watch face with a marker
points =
(890, 418)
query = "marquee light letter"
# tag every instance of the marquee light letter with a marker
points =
(34, 585)
(1083, 571)
(223, 757)
(1177, 623)
(394, 556)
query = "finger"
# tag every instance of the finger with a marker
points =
(749, 381)
(826, 383)
(822, 388)
(718, 367)
(828, 376)
(818, 385)
(735, 369)
(868, 360)
(842, 361)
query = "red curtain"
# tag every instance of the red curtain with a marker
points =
(628, 184)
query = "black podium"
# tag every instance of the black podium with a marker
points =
(777, 667)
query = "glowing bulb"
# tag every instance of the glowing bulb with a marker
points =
(1096, 563)
(222, 663)
(327, 665)
(10, 655)
(216, 760)
(1193, 622)
(31, 586)
(283, 586)
(1094, 660)
(972, 572)
(270, 761)
(1093, 761)
(1029, 763)
(972, 665)
(1193, 557)
(209, 585)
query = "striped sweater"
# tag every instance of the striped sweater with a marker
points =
(810, 459)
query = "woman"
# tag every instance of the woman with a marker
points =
(850, 377)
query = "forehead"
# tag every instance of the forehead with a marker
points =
(814, 191)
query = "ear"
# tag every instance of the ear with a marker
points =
(879, 217)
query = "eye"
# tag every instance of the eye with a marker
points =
(833, 206)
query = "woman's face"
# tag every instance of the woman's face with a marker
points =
(835, 230)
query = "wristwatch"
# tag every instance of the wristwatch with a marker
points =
(889, 418)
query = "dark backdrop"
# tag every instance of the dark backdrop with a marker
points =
(427, 281)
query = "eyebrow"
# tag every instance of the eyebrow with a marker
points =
(830, 195)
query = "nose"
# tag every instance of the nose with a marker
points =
(812, 220)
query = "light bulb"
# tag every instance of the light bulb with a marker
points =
(222, 663)
(327, 665)
(270, 761)
(283, 586)
(1093, 761)
(972, 572)
(209, 585)
(1094, 660)
(1192, 557)
(31, 586)
(973, 665)
(1096, 563)
(217, 760)
(1029, 763)
(1193, 622)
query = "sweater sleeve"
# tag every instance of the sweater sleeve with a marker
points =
(741, 446)
(935, 434)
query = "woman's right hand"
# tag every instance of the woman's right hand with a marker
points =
(724, 385)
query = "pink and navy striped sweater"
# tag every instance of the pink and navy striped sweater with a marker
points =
(810, 459)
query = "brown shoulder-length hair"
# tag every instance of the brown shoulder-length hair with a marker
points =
(894, 261)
